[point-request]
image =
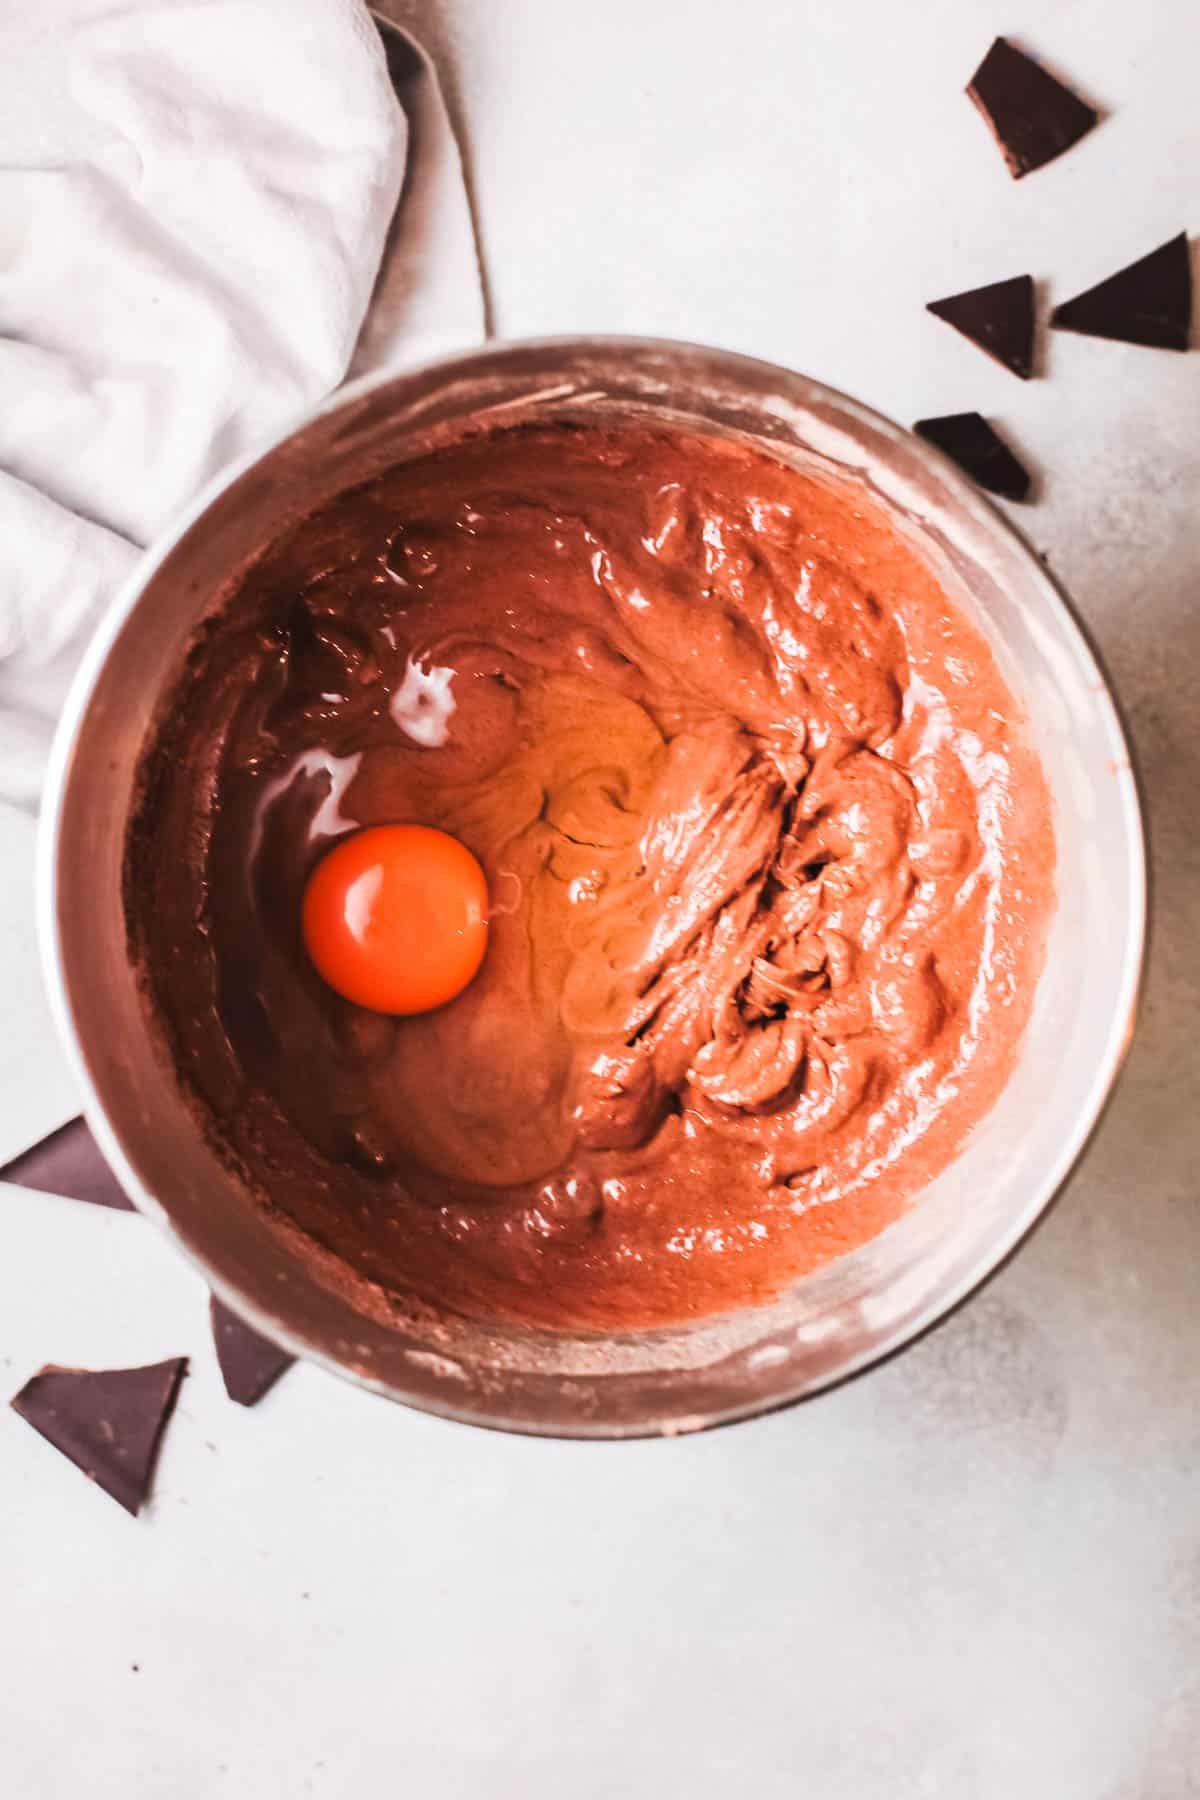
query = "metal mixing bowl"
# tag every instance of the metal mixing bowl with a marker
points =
(829, 1323)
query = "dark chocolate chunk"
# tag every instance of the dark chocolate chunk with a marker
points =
(998, 317)
(69, 1163)
(250, 1363)
(1033, 117)
(1150, 302)
(109, 1422)
(977, 448)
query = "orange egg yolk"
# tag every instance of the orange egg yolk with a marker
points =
(395, 918)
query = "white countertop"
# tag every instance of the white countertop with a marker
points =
(974, 1573)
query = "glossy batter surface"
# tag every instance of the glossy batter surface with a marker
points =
(769, 861)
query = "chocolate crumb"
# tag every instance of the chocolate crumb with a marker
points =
(1147, 302)
(69, 1162)
(250, 1363)
(1032, 116)
(998, 317)
(108, 1422)
(979, 450)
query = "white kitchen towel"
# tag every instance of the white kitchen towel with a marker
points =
(199, 200)
(429, 299)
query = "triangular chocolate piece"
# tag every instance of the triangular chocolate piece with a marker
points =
(1033, 117)
(1150, 302)
(109, 1422)
(69, 1162)
(250, 1363)
(998, 317)
(976, 448)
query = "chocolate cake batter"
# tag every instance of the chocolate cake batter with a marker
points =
(769, 864)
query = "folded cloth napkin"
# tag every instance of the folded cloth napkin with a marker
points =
(200, 205)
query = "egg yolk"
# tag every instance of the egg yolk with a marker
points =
(395, 918)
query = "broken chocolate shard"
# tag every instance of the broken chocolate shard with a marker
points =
(69, 1163)
(109, 1422)
(1033, 117)
(998, 317)
(979, 450)
(1149, 302)
(250, 1363)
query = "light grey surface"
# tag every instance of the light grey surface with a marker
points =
(976, 1572)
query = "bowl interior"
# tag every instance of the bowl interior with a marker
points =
(830, 1322)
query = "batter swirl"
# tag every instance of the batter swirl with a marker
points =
(770, 863)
